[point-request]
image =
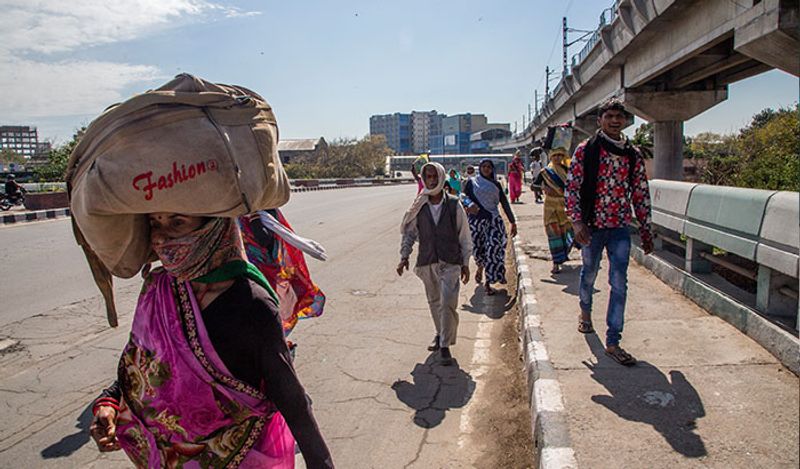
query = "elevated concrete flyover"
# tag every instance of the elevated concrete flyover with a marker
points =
(668, 61)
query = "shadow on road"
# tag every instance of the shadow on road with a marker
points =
(435, 390)
(569, 276)
(494, 306)
(71, 443)
(644, 394)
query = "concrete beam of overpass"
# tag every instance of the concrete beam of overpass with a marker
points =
(768, 32)
(671, 105)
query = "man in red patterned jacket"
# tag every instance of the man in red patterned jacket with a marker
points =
(606, 176)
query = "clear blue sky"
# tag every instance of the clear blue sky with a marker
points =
(324, 66)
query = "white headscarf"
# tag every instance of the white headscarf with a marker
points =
(422, 197)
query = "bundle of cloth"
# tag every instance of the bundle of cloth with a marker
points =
(191, 147)
(277, 251)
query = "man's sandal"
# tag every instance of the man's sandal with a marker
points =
(585, 327)
(621, 356)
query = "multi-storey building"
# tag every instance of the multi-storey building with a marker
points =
(22, 140)
(396, 128)
(430, 132)
(456, 131)
(424, 124)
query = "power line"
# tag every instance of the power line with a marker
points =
(555, 41)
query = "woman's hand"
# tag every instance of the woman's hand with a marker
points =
(472, 209)
(104, 429)
(513, 229)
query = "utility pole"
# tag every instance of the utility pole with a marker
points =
(564, 46)
(536, 101)
(529, 113)
(565, 42)
(547, 81)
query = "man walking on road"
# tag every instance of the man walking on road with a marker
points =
(606, 175)
(438, 220)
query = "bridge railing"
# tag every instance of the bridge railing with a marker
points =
(755, 234)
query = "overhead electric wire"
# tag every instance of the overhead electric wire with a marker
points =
(555, 41)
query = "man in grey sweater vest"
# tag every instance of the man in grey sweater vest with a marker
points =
(438, 221)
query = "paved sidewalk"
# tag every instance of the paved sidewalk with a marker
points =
(702, 394)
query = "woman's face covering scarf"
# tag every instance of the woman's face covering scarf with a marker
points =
(201, 251)
(486, 190)
(422, 198)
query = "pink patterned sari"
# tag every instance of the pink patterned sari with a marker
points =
(181, 406)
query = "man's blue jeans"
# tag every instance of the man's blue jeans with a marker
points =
(617, 242)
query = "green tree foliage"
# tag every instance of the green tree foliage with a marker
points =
(9, 156)
(345, 158)
(770, 149)
(763, 156)
(643, 138)
(56, 166)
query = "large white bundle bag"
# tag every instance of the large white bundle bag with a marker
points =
(190, 147)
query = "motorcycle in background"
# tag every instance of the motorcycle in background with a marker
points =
(8, 201)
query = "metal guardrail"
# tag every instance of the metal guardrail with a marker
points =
(760, 226)
(607, 16)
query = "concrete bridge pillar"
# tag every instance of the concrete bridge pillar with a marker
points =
(667, 110)
(668, 150)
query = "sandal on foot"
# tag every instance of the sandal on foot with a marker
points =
(479, 275)
(556, 269)
(490, 291)
(585, 327)
(621, 356)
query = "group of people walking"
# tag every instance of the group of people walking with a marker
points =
(206, 378)
(451, 228)
(587, 205)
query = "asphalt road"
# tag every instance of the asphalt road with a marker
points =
(379, 400)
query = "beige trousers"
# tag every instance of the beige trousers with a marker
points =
(441, 288)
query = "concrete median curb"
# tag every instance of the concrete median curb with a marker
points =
(548, 415)
(9, 218)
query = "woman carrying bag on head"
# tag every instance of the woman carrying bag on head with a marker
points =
(206, 378)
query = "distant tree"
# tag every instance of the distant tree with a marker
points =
(9, 156)
(354, 158)
(58, 158)
(344, 158)
(720, 154)
(764, 155)
(769, 150)
(643, 138)
(300, 170)
(761, 119)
